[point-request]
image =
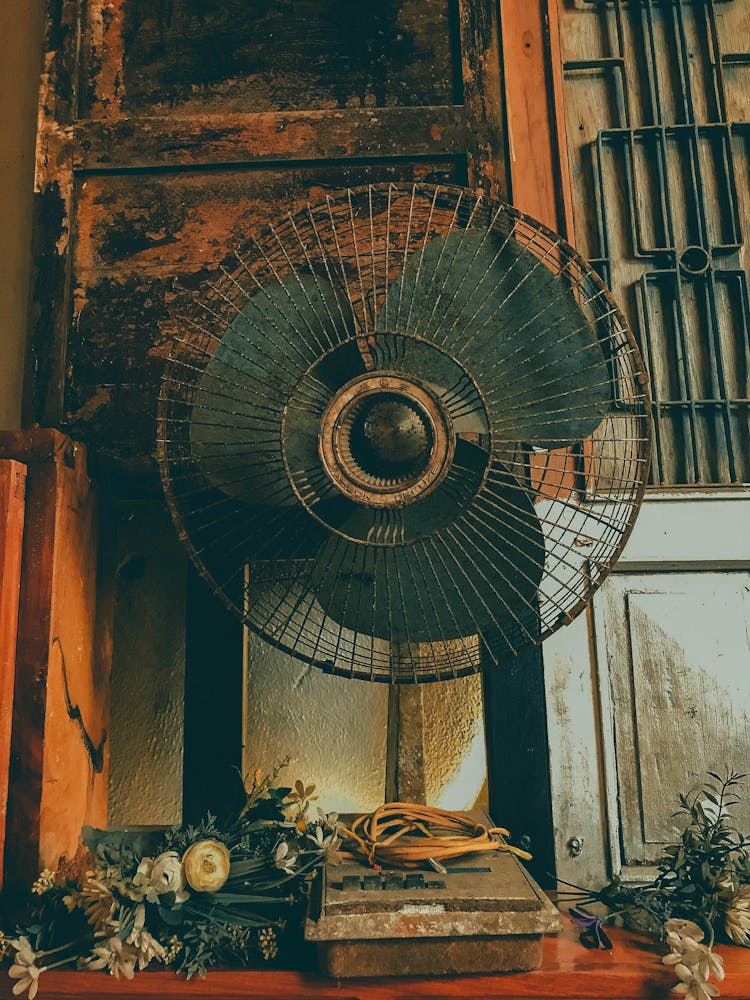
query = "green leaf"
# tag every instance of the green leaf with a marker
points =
(172, 917)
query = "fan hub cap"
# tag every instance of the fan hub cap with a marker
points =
(385, 440)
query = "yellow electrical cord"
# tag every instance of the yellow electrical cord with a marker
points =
(435, 834)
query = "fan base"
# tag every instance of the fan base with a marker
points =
(486, 915)
(431, 957)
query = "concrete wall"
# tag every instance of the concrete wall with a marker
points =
(335, 731)
(20, 56)
(148, 670)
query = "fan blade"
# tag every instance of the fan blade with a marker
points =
(481, 573)
(340, 366)
(238, 402)
(448, 380)
(515, 325)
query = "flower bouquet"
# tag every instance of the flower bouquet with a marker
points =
(190, 897)
(701, 892)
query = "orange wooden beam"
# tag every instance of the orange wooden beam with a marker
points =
(12, 509)
(532, 72)
(60, 712)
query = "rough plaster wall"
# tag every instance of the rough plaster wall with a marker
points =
(335, 728)
(20, 53)
(454, 747)
(148, 671)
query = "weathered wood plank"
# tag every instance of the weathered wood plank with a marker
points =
(405, 763)
(53, 210)
(672, 644)
(184, 59)
(144, 242)
(483, 96)
(124, 144)
(12, 508)
(58, 773)
(538, 164)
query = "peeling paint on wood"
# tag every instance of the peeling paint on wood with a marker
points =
(185, 57)
(146, 143)
(143, 245)
(152, 171)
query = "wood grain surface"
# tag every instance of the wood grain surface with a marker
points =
(60, 713)
(632, 971)
(12, 508)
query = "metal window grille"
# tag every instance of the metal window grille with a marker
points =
(668, 176)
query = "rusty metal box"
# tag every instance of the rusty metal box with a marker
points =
(485, 915)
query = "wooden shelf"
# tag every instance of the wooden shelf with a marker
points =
(632, 971)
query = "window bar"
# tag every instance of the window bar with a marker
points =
(644, 341)
(717, 66)
(683, 63)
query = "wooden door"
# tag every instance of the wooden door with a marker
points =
(171, 131)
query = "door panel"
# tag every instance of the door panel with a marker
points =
(144, 242)
(656, 99)
(654, 687)
(183, 57)
(676, 648)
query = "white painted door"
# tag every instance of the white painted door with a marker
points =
(652, 687)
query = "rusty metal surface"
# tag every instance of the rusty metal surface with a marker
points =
(522, 349)
(432, 957)
(489, 920)
(386, 440)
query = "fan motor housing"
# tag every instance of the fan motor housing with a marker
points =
(385, 440)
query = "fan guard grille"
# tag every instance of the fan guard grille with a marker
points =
(466, 502)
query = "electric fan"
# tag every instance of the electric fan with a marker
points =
(404, 433)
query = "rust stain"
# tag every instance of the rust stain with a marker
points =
(53, 152)
(553, 473)
(436, 132)
(107, 56)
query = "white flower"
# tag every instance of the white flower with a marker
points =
(684, 928)
(206, 865)
(147, 946)
(141, 882)
(167, 875)
(687, 950)
(693, 985)
(737, 916)
(115, 955)
(330, 821)
(284, 860)
(155, 877)
(329, 844)
(24, 968)
(695, 956)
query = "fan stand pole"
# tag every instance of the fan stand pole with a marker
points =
(404, 762)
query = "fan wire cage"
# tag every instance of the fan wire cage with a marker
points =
(404, 432)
